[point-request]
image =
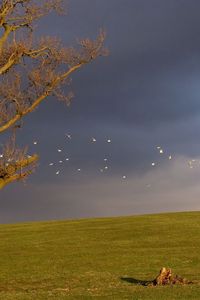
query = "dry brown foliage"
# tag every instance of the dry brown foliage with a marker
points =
(32, 69)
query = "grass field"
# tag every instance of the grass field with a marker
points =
(100, 258)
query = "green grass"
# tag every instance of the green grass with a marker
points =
(87, 259)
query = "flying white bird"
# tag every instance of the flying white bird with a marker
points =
(59, 150)
(93, 140)
(153, 164)
(69, 136)
(109, 141)
(190, 164)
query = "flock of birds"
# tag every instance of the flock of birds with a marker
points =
(92, 140)
(106, 165)
(161, 152)
(106, 162)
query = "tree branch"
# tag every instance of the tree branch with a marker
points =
(14, 171)
(11, 61)
(5, 36)
(17, 55)
(52, 86)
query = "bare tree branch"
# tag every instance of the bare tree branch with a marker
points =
(32, 69)
(15, 163)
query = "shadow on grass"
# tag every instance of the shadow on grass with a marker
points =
(152, 282)
(136, 281)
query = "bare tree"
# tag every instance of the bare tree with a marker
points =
(31, 69)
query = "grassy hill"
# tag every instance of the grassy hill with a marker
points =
(100, 258)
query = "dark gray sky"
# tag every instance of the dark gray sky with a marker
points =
(144, 94)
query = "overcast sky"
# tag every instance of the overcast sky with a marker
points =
(145, 94)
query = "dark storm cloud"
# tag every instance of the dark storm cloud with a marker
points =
(145, 93)
(153, 67)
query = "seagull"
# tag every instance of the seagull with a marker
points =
(93, 140)
(78, 170)
(190, 164)
(58, 172)
(60, 161)
(170, 157)
(1, 155)
(59, 150)
(161, 151)
(109, 141)
(105, 159)
(153, 164)
(67, 158)
(51, 164)
(106, 167)
(69, 136)
(35, 142)
(124, 177)
(158, 147)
